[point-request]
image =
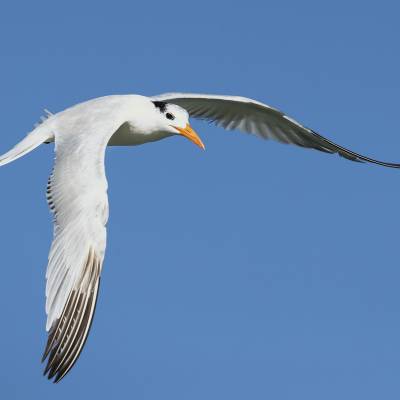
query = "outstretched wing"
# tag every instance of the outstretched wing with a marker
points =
(247, 115)
(77, 195)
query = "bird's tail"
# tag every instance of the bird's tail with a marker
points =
(34, 139)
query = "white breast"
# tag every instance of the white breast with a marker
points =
(126, 135)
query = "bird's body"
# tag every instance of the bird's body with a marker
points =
(77, 188)
(114, 109)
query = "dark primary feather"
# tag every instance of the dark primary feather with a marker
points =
(247, 115)
(68, 334)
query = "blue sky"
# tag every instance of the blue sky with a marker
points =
(252, 270)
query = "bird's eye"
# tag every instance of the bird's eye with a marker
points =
(169, 116)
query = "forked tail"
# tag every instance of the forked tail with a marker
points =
(34, 139)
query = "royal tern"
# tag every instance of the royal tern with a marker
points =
(77, 187)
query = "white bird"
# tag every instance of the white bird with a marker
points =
(77, 187)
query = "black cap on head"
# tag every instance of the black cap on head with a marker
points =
(161, 105)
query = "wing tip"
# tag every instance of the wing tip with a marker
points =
(69, 333)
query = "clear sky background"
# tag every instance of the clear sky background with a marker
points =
(252, 270)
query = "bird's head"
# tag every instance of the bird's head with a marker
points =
(174, 120)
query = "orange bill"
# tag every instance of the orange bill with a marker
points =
(189, 133)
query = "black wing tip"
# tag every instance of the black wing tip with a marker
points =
(61, 371)
(70, 331)
(364, 160)
(52, 373)
(51, 368)
(351, 155)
